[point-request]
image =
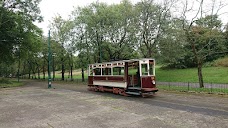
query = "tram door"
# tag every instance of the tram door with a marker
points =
(134, 74)
(146, 72)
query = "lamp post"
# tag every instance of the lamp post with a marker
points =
(49, 61)
(19, 64)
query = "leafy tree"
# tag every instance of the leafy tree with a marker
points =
(204, 35)
(60, 30)
(152, 21)
(172, 50)
(16, 24)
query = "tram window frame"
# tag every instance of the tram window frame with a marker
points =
(106, 71)
(96, 73)
(151, 68)
(144, 70)
(116, 72)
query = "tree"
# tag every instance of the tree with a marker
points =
(120, 39)
(60, 30)
(105, 32)
(172, 50)
(16, 24)
(203, 33)
(152, 21)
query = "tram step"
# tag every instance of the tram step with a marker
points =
(133, 93)
(134, 88)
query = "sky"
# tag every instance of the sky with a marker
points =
(49, 9)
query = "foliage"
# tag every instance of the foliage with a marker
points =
(16, 26)
(5, 81)
(222, 62)
(152, 22)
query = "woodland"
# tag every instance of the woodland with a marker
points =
(177, 33)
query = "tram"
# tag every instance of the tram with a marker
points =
(125, 77)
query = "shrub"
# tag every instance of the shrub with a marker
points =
(222, 62)
(5, 81)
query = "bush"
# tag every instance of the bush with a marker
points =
(5, 81)
(222, 62)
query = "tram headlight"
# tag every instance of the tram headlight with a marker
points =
(153, 81)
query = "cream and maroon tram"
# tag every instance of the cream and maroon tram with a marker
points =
(126, 77)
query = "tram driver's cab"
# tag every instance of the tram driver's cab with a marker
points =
(141, 73)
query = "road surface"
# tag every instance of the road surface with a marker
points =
(72, 106)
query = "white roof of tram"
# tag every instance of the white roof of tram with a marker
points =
(119, 63)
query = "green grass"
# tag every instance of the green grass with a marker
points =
(7, 83)
(190, 89)
(210, 75)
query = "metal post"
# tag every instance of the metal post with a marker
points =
(211, 87)
(188, 86)
(49, 61)
(19, 64)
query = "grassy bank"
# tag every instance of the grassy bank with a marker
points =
(210, 75)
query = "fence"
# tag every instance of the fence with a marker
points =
(193, 87)
(172, 86)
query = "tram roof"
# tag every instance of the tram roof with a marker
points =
(121, 61)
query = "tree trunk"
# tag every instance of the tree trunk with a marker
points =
(29, 73)
(198, 60)
(43, 72)
(149, 52)
(29, 69)
(83, 77)
(71, 73)
(38, 72)
(63, 70)
(200, 75)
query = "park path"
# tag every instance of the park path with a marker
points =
(70, 105)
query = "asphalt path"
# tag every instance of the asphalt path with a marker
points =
(72, 106)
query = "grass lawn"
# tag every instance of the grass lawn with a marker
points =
(7, 83)
(210, 75)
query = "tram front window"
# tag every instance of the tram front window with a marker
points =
(151, 68)
(144, 69)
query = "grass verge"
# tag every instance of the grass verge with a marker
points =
(8, 83)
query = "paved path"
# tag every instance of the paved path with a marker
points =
(72, 106)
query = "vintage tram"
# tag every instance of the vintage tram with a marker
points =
(126, 77)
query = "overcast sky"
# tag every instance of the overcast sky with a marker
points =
(49, 8)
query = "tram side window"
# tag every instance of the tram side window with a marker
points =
(151, 70)
(151, 66)
(118, 71)
(106, 71)
(97, 71)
